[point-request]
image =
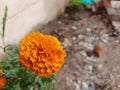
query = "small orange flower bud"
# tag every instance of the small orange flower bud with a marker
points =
(2, 79)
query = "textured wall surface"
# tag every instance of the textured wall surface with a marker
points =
(24, 15)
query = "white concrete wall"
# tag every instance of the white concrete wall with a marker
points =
(24, 15)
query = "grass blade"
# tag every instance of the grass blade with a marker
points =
(4, 22)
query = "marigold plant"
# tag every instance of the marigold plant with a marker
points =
(32, 64)
(41, 54)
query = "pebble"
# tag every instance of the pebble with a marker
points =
(114, 34)
(68, 81)
(74, 38)
(117, 41)
(87, 86)
(83, 53)
(66, 43)
(97, 38)
(79, 82)
(90, 67)
(89, 46)
(59, 22)
(118, 86)
(100, 66)
(80, 36)
(77, 87)
(82, 44)
(88, 29)
(104, 40)
(74, 27)
(91, 59)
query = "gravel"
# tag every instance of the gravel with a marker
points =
(83, 70)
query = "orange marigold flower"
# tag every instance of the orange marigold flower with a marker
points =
(2, 79)
(41, 54)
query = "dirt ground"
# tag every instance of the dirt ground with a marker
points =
(80, 30)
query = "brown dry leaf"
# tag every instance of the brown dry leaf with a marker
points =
(98, 49)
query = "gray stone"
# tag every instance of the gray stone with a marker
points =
(88, 86)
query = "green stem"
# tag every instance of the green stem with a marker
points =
(45, 84)
(3, 27)
(3, 42)
(3, 30)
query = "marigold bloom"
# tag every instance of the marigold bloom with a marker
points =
(41, 54)
(2, 79)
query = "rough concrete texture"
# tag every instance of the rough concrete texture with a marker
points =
(24, 15)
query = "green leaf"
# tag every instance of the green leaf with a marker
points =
(12, 50)
(39, 82)
(17, 87)
(73, 3)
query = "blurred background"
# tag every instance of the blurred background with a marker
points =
(88, 29)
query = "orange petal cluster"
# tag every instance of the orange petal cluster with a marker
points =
(2, 79)
(41, 54)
